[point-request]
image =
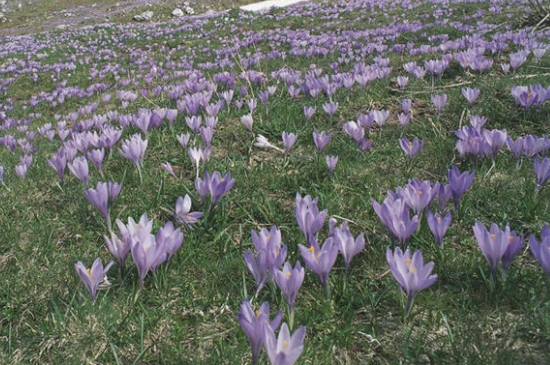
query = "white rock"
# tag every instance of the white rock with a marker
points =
(177, 12)
(189, 10)
(145, 16)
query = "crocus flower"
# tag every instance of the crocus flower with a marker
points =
(417, 194)
(542, 171)
(470, 94)
(320, 260)
(514, 247)
(247, 121)
(439, 225)
(262, 142)
(219, 186)
(495, 139)
(286, 349)
(460, 182)
(58, 162)
(79, 168)
(288, 140)
(308, 217)
(170, 239)
(330, 108)
(134, 150)
(331, 163)
(439, 102)
(493, 244)
(308, 112)
(321, 140)
(183, 214)
(99, 197)
(289, 280)
(410, 272)
(270, 255)
(146, 253)
(119, 248)
(349, 246)
(253, 323)
(542, 251)
(167, 166)
(411, 148)
(93, 276)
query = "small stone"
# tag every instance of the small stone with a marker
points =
(145, 16)
(177, 12)
(189, 10)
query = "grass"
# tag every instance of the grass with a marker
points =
(187, 310)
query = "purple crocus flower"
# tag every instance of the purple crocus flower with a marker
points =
(495, 139)
(331, 163)
(289, 280)
(183, 140)
(93, 276)
(308, 112)
(330, 108)
(134, 150)
(404, 118)
(417, 195)
(492, 243)
(411, 148)
(308, 217)
(321, 140)
(119, 248)
(183, 214)
(395, 216)
(470, 94)
(96, 157)
(247, 121)
(410, 272)
(170, 239)
(58, 162)
(270, 255)
(380, 117)
(402, 81)
(286, 349)
(206, 135)
(146, 254)
(320, 260)
(253, 323)
(439, 102)
(515, 147)
(542, 171)
(79, 168)
(460, 182)
(514, 247)
(99, 197)
(288, 140)
(542, 251)
(439, 225)
(349, 246)
(219, 185)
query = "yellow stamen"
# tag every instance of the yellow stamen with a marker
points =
(285, 345)
(312, 250)
(419, 192)
(410, 145)
(257, 313)
(90, 272)
(438, 219)
(493, 236)
(288, 274)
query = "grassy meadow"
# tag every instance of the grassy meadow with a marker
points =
(67, 93)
